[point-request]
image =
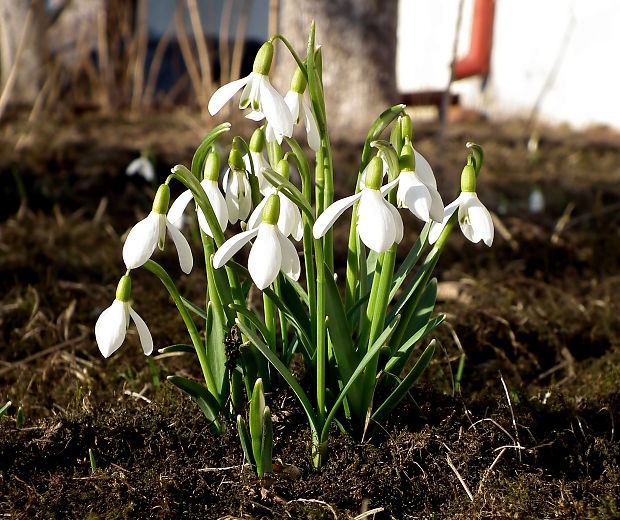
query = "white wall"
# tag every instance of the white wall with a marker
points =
(571, 46)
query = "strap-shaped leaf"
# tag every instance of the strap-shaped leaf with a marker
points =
(423, 309)
(203, 149)
(6, 406)
(197, 310)
(179, 347)
(244, 438)
(202, 397)
(382, 340)
(405, 385)
(216, 351)
(283, 371)
(410, 260)
(267, 444)
(252, 318)
(381, 123)
(396, 364)
(290, 190)
(257, 408)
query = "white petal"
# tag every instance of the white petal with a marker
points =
(298, 234)
(245, 197)
(232, 198)
(255, 115)
(290, 259)
(476, 222)
(375, 222)
(275, 109)
(312, 131)
(424, 170)
(141, 241)
(143, 167)
(289, 218)
(389, 186)
(146, 340)
(231, 246)
(217, 203)
(437, 210)
(111, 328)
(265, 256)
(183, 250)
(398, 224)
(257, 215)
(293, 101)
(223, 94)
(328, 217)
(249, 96)
(437, 228)
(175, 213)
(414, 195)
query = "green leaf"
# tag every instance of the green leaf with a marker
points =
(478, 153)
(410, 261)
(5, 407)
(252, 318)
(200, 155)
(284, 372)
(244, 438)
(380, 124)
(290, 190)
(257, 408)
(390, 156)
(216, 351)
(423, 310)
(405, 385)
(396, 364)
(267, 444)
(382, 340)
(197, 310)
(202, 397)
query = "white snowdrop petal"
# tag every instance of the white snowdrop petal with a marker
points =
(265, 256)
(290, 259)
(249, 96)
(289, 215)
(146, 340)
(331, 213)
(275, 109)
(183, 250)
(223, 94)
(231, 246)
(437, 210)
(257, 215)
(312, 130)
(111, 328)
(389, 186)
(424, 170)
(437, 228)
(293, 102)
(217, 202)
(141, 241)
(399, 230)
(175, 213)
(255, 115)
(245, 197)
(479, 223)
(417, 197)
(375, 222)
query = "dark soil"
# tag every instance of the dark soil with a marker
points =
(529, 431)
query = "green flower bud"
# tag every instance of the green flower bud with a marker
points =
(162, 200)
(262, 62)
(212, 167)
(257, 142)
(468, 177)
(299, 81)
(284, 169)
(405, 127)
(407, 157)
(374, 174)
(271, 212)
(235, 160)
(123, 289)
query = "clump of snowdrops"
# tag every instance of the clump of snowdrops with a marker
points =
(360, 339)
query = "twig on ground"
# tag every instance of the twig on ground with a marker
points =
(514, 422)
(458, 475)
(489, 469)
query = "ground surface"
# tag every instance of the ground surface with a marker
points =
(538, 313)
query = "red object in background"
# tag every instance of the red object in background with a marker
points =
(478, 59)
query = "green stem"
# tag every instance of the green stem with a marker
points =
(161, 273)
(321, 365)
(270, 320)
(296, 57)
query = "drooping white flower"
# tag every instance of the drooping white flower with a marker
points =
(301, 112)
(151, 231)
(212, 191)
(417, 187)
(289, 221)
(112, 324)
(141, 166)
(237, 188)
(271, 252)
(474, 219)
(379, 224)
(258, 94)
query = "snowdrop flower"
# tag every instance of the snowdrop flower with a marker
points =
(475, 220)
(257, 144)
(417, 188)
(151, 231)
(536, 200)
(271, 252)
(143, 167)
(237, 187)
(258, 94)
(289, 221)
(112, 324)
(378, 222)
(209, 184)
